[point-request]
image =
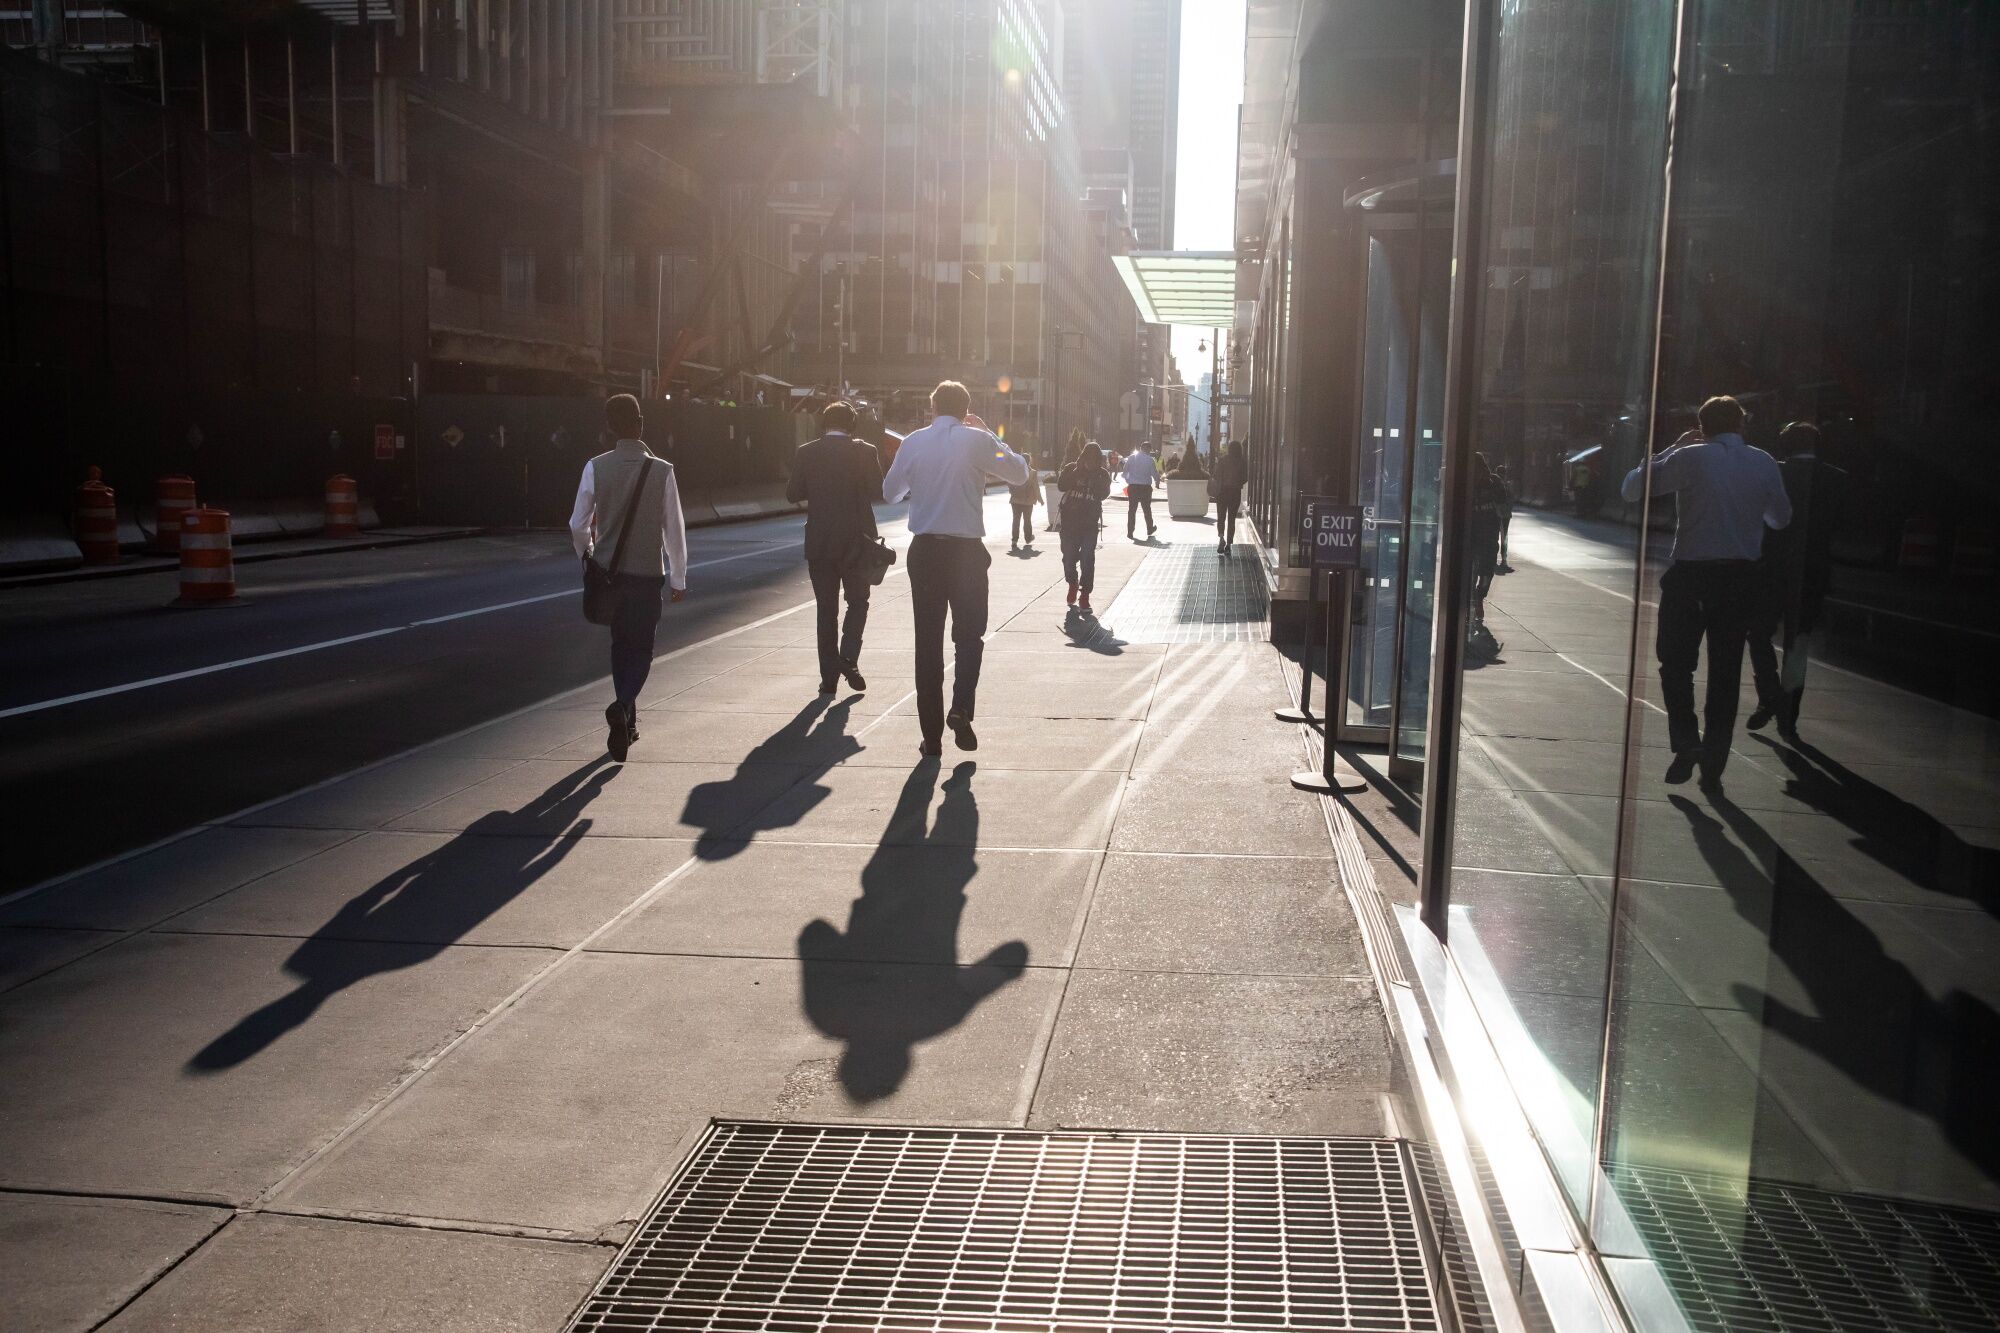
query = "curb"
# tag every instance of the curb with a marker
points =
(250, 556)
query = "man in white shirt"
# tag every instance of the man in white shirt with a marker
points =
(943, 469)
(1729, 493)
(1141, 472)
(636, 558)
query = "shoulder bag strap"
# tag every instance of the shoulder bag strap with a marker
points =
(631, 508)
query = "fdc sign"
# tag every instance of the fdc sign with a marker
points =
(1332, 534)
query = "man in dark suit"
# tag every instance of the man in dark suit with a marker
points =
(1798, 568)
(839, 480)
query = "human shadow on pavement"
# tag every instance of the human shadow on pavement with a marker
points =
(1084, 630)
(1902, 837)
(893, 979)
(1865, 1012)
(412, 915)
(732, 812)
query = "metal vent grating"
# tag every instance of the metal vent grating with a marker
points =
(804, 1227)
(1189, 594)
(1773, 1256)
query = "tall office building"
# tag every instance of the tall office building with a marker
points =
(1121, 74)
(967, 250)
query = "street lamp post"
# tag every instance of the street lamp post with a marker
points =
(1214, 394)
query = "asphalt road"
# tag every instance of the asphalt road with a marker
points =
(365, 654)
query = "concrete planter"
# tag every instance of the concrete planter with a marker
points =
(1187, 499)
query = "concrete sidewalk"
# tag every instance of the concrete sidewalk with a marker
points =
(415, 1049)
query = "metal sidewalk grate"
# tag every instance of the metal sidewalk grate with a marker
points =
(1189, 594)
(823, 1228)
(1772, 1256)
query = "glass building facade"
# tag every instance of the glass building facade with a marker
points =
(1745, 1008)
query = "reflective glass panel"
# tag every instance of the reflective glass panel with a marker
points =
(1388, 344)
(1426, 463)
(1571, 241)
(1805, 1016)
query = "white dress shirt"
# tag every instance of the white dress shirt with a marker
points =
(943, 468)
(1729, 491)
(673, 524)
(1140, 469)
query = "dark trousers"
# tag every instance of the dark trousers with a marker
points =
(1137, 498)
(633, 622)
(1022, 528)
(948, 574)
(829, 583)
(1079, 552)
(1226, 509)
(1711, 601)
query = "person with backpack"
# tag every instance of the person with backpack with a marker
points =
(1084, 483)
(628, 502)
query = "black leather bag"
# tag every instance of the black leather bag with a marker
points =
(599, 588)
(873, 558)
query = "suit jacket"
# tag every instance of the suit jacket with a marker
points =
(839, 479)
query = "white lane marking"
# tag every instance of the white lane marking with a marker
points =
(168, 679)
(901, 542)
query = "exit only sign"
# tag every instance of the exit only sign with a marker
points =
(1332, 534)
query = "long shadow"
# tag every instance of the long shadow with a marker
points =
(1896, 834)
(416, 912)
(893, 978)
(732, 812)
(1081, 629)
(1868, 1014)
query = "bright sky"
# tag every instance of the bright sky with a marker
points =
(1211, 90)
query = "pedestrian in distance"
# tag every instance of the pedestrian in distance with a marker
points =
(1022, 500)
(1231, 472)
(1798, 570)
(1729, 494)
(839, 479)
(1487, 505)
(1084, 483)
(944, 468)
(1141, 473)
(1506, 498)
(628, 521)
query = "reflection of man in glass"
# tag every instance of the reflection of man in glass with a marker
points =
(1729, 493)
(1798, 567)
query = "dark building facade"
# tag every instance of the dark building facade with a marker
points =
(1716, 1053)
(239, 232)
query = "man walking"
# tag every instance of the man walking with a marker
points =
(1729, 493)
(838, 479)
(1140, 474)
(943, 468)
(628, 521)
(1798, 566)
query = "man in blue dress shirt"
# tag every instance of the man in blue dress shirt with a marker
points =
(1729, 492)
(944, 469)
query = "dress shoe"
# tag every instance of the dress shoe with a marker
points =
(617, 731)
(1683, 767)
(855, 680)
(930, 749)
(829, 685)
(961, 731)
(1758, 719)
